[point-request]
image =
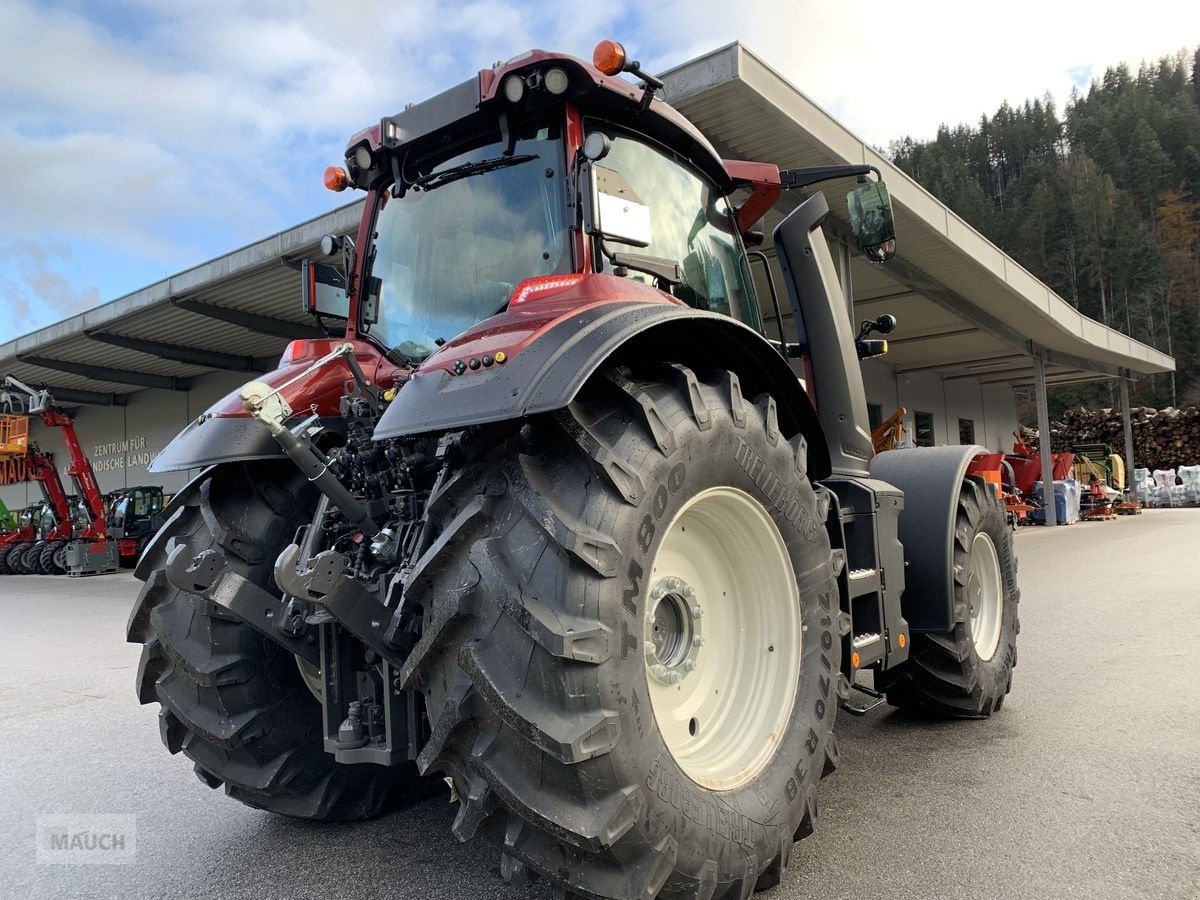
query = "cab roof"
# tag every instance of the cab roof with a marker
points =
(474, 102)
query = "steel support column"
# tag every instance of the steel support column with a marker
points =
(1127, 425)
(1043, 414)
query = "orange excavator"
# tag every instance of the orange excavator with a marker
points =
(24, 550)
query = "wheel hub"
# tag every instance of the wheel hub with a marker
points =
(673, 638)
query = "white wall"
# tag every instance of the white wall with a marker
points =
(992, 407)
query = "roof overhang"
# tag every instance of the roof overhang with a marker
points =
(965, 307)
(236, 312)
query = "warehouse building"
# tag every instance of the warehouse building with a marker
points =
(973, 324)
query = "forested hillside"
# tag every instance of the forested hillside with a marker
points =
(1101, 202)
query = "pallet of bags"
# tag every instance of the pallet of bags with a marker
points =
(1190, 478)
(1143, 487)
(1166, 491)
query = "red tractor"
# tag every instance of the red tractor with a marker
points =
(555, 520)
(33, 550)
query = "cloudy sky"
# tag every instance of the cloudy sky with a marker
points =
(138, 138)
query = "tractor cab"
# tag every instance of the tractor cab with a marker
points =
(522, 183)
(537, 173)
(133, 516)
(41, 516)
(134, 512)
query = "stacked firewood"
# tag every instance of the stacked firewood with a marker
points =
(1162, 438)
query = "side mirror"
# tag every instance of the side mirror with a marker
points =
(323, 290)
(871, 220)
(617, 213)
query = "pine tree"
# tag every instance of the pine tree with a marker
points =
(1102, 204)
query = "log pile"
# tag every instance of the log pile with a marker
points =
(1162, 438)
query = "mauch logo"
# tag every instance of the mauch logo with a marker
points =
(86, 839)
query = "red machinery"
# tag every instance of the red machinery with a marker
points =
(51, 546)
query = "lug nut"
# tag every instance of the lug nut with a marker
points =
(674, 678)
(698, 641)
(690, 665)
(689, 591)
(697, 611)
(659, 671)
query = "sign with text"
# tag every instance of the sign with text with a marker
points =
(126, 454)
(17, 470)
(86, 839)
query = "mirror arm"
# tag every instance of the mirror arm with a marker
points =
(800, 178)
(664, 269)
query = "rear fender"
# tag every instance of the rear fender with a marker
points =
(931, 478)
(548, 372)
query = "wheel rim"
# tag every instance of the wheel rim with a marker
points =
(723, 638)
(983, 595)
(313, 680)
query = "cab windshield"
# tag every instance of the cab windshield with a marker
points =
(450, 251)
(691, 225)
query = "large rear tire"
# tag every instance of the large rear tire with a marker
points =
(232, 701)
(5, 569)
(586, 727)
(967, 672)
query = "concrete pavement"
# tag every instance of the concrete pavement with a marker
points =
(1087, 784)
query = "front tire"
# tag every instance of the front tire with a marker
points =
(553, 703)
(16, 559)
(31, 559)
(232, 701)
(52, 558)
(967, 672)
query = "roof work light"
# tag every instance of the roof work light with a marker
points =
(609, 57)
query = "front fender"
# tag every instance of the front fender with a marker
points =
(226, 432)
(931, 478)
(207, 441)
(547, 373)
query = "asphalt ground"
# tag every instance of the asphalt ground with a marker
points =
(1086, 784)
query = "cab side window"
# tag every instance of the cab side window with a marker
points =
(691, 224)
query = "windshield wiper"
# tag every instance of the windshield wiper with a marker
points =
(433, 180)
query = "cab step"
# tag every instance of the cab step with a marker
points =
(878, 700)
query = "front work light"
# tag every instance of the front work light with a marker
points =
(514, 88)
(556, 80)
